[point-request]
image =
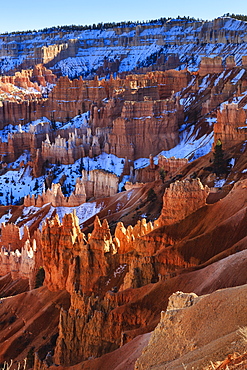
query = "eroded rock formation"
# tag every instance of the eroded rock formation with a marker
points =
(20, 254)
(114, 278)
(99, 183)
(140, 122)
(210, 65)
(171, 166)
(88, 260)
(26, 84)
(181, 199)
(56, 198)
(230, 127)
(22, 264)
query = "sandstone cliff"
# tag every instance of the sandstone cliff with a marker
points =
(128, 117)
(26, 84)
(99, 183)
(62, 48)
(114, 274)
(97, 270)
(146, 127)
(210, 65)
(231, 125)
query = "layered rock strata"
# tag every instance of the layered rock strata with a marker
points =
(145, 127)
(88, 259)
(210, 65)
(26, 85)
(23, 264)
(99, 184)
(153, 39)
(70, 98)
(20, 256)
(181, 199)
(230, 127)
(171, 166)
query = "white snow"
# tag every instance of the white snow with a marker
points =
(15, 184)
(235, 25)
(94, 45)
(211, 120)
(219, 78)
(235, 80)
(33, 126)
(83, 212)
(219, 183)
(232, 162)
(188, 147)
(77, 122)
(6, 217)
(121, 184)
(204, 84)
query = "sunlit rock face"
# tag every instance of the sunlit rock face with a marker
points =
(181, 199)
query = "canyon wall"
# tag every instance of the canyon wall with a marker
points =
(70, 98)
(88, 258)
(189, 318)
(94, 184)
(21, 265)
(146, 127)
(171, 166)
(94, 267)
(99, 183)
(63, 242)
(45, 144)
(97, 271)
(230, 127)
(57, 47)
(26, 85)
(127, 261)
(127, 128)
(165, 169)
(211, 65)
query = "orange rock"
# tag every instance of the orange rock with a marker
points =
(210, 65)
(145, 127)
(65, 242)
(20, 256)
(230, 127)
(181, 199)
(171, 165)
(99, 183)
(56, 197)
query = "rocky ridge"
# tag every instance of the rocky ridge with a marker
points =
(160, 45)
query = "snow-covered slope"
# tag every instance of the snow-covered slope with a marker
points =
(76, 52)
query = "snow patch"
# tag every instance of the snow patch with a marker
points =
(219, 183)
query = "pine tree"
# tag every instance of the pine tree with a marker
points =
(219, 164)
